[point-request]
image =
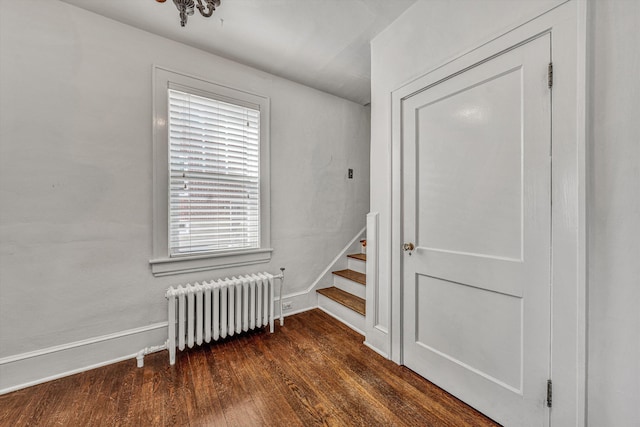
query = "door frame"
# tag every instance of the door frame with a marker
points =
(567, 25)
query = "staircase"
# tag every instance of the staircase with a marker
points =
(345, 300)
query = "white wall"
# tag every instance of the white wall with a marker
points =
(614, 214)
(75, 180)
(427, 35)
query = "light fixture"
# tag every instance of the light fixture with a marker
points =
(186, 7)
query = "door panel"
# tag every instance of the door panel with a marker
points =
(476, 205)
(481, 122)
(447, 305)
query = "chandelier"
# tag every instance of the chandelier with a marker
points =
(186, 8)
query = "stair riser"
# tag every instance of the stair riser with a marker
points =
(347, 316)
(357, 265)
(350, 286)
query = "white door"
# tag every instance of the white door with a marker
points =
(476, 206)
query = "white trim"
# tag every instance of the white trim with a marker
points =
(293, 295)
(338, 257)
(35, 367)
(191, 264)
(76, 344)
(301, 310)
(66, 374)
(350, 286)
(483, 42)
(349, 324)
(567, 24)
(211, 255)
(307, 299)
(381, 353)
(160, 266)
(377, 336)
(582, 280)
(203, 79)
(382, 329)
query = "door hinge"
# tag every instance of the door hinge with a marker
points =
(549, 393)
(550, 75)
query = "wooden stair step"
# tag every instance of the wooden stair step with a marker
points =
(351, 301)
(361, 257)
(352, 275)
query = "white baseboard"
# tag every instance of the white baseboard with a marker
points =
(381, 353)
(302, 310)
(36, 367)
(338, 311)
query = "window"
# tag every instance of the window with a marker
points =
(211, 198)
(214, 176)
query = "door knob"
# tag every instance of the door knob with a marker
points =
(408, 247)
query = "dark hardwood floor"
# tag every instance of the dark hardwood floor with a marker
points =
(312, 371)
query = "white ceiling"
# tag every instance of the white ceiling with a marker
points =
(320, 43)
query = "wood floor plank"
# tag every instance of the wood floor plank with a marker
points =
(77, 390)
(345, 387)
(148, 405)
(361, 378)
(351, 391)
(389, 373)
(176, 398)
(314, 371)
(386, 387)
(23, 405)
(259, 376)
(366, 380)
(207, 407)
(311, 388)
(237, 403)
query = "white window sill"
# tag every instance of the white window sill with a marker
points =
(191, 264)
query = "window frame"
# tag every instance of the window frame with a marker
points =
(162, 263)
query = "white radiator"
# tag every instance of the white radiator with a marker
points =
(217, 309)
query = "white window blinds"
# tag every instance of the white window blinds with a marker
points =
(214, 174)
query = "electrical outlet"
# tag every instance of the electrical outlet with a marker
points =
(288, 305)
(350, 173)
